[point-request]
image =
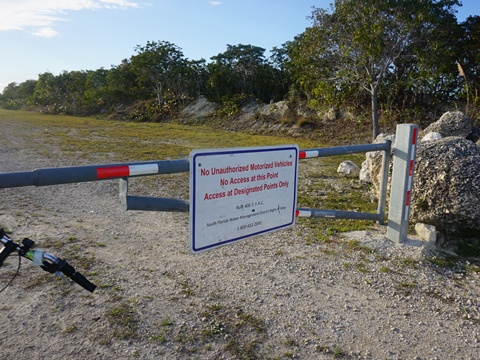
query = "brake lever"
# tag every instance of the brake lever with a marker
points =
(49, 267)
(61, 276)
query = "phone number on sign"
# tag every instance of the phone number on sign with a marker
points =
(250, 225)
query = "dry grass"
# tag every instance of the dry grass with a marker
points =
(87, 139)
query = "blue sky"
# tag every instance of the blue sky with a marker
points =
(37, 36)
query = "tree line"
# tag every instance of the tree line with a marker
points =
(158, 76)
(396, 58)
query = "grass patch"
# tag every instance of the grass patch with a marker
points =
(123, 319)
(409, 262)
(39, 280)
(356, 246)
(128, 141)
(362, 267)
(58, 243)
(406, 287)
(444, 262)
(467, 249)
(240, 333)
(161, 336)
(71, 328)
(384, 269)
(187, 287)
(87, 139)
(336, 351)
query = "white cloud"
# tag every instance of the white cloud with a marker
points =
(40, 16)
(215, 3)
(119, 4)
(46, 32)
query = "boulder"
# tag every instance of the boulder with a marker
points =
(372, 166)
(201, 107)
(276, 111)
(475, 135)
(426, 232)
(349, 169)
(452, 123)
(365, 173)
(432, 136)
(446, 187)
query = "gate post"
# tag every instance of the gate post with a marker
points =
(402, 182)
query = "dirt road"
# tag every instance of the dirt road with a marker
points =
(277, 296)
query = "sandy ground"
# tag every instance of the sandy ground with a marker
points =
(277, 296)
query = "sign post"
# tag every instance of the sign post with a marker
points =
(239, 193)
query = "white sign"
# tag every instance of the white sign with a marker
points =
(239, 193)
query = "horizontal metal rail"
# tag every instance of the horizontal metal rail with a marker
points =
(123, 171)
(344, 150)
(77, 174)
(338, 214)
(150, 203)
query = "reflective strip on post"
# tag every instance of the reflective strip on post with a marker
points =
(110, 172)
(410, 174)
(145, 169)
(303, 213)
(308, 154)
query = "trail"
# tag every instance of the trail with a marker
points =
(271, 297)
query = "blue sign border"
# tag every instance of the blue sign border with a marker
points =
(239, 151)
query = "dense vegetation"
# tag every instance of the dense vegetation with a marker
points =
(399, 59)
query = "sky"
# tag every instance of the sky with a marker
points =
(38, 36)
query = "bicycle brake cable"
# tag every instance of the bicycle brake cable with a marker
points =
(14, 275)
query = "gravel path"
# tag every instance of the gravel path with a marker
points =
(277, 296)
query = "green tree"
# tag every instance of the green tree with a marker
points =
(48, 93)
(61, 93)
(96, 95)
(358, 44)
(195, 77)
(74, 90)
(122, 84)
(427, 76)
(281, 76)
(17, 96)
(469, 59)
(160, 66)
(243, 70)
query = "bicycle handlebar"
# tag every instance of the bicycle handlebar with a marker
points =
(47, 262)
(8, 248)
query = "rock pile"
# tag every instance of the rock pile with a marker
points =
(446, 188)
(199, 108)
(452, 123)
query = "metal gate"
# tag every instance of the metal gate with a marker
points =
(402, 179)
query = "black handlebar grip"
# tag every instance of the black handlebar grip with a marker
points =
(77, 277)
(83, 282)
(8, 248)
